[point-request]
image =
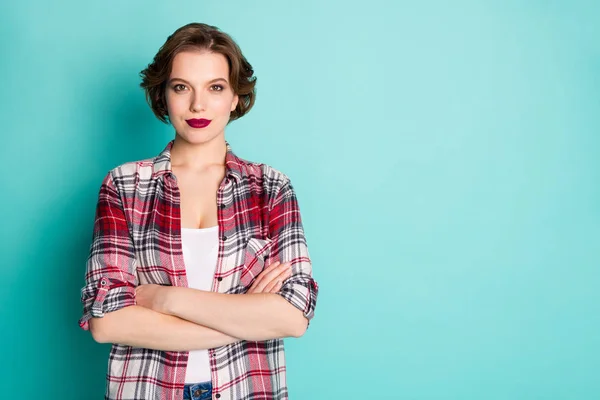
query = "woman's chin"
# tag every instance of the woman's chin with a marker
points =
(198, 136)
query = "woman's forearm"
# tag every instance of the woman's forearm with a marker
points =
(257, 316)
(141, 327)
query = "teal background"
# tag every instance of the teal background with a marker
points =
(445, 156)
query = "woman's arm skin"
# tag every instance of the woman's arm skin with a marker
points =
(259, 316)
(255, 315)
(139, 326)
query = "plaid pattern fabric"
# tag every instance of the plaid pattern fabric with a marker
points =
(137, 240)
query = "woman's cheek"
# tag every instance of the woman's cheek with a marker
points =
(223, 103)
(177, 104)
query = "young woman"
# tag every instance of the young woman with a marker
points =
(199, 265)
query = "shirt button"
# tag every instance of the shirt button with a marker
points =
(224, 238)
(219, 279)
(103, 282)
(217, 395)
(222, 205)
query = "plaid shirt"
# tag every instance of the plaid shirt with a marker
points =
(137, 240)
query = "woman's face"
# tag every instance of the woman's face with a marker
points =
(199, 97)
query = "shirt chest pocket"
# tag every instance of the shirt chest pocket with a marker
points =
(256, 259)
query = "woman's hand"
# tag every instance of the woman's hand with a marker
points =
(152, 296)
(271, 278)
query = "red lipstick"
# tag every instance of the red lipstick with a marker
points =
(198, 123)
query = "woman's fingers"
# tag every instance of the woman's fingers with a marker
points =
(258, 279)
(271, 286)
(270, 275)
(277, 282)
(267, 277)
(286, 273)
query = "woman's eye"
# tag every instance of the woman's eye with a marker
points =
(217, 88)
(179, 87)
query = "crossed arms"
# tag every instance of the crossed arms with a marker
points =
(279, 303)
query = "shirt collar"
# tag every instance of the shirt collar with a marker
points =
(162, 163)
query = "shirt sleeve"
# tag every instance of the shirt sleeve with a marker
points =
(110, 278)
(289, 245)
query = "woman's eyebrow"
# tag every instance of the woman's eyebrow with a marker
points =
(183, 80)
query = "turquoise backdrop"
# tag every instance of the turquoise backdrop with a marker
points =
(445, 156)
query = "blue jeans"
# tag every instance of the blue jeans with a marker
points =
(198, 391)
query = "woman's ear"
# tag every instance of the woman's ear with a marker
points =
(235, 102)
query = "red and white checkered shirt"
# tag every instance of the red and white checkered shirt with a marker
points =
(137, 240)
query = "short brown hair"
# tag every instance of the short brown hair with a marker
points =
(198, 36)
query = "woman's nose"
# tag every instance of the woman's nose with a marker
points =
(197, 103)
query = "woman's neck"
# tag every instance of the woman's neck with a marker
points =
(198, 156)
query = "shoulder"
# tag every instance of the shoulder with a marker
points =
(268, 177)
(139, 168)
(131, 172)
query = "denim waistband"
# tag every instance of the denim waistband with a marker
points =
(198, 391)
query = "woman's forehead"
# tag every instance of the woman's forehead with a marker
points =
(199, 66)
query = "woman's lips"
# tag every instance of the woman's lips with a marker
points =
(198, 123)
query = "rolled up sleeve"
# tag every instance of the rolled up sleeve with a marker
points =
(110, 278)
(289, 245)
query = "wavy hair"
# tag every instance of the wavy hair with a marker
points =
(198, 36)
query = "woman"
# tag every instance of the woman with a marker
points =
(199, 265)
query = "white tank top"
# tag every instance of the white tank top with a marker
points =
(200, 250)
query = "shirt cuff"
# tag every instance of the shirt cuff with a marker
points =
(103, 296)
(302, 293)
